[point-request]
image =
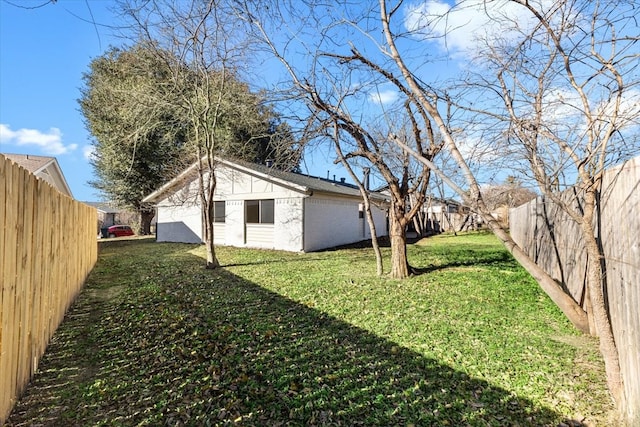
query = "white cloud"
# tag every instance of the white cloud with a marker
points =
(459, 28)
(629, 110)
(88, 151)
(565, 106)
(561, 104)
(49, 142)
(383, 97)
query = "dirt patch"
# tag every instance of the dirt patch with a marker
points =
(588, 369)
(105, 294)
(578, 341)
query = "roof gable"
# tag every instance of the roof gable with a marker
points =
(298, 182)
(43, 167)
(33, 164)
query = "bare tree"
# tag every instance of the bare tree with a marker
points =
(568, 84)
(558, 92)
(562, 99)
(325, 87)
(207, 51)
(363, 186)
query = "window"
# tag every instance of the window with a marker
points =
(252, 209)
(266, 211)
(259, 211)
(219, 211)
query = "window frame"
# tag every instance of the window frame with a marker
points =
(217, 218)
(265, 214)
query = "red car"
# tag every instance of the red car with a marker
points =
(119, 231)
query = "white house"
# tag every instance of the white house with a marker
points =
(44, 168)
(261, 207)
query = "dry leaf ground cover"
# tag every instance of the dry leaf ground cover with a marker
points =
(276, 338)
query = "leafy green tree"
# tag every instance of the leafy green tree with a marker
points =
(209, 50)
(140, 115)
(137, 143)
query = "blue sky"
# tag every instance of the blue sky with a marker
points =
(43, 54)
(45, 47)
(44, 50)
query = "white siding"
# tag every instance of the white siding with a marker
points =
(219, 233)
(179, 219)
(234, 223)
(260, 236)
(301, 222)
(332, 222)
(288, 229)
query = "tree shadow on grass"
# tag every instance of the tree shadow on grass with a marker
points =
(491, 259)
(185, 346)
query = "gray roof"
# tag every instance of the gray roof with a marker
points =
(103, 207)
(42, 167)
(299, 182)
(30, 162)
(312, 183)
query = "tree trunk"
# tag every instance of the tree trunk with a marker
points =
(146, 215)
(374, 234)
(565, 302)
(212, 260)
(418, 219)
(602, 322)
(398, 237)
(366, 204)
(600, 313)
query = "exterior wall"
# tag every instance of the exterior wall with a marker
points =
(259, 236)
(219, 233)
(288, 225)
(301, 222)
(234, 231)
(286, 231)
(179, 217)
(330, 222)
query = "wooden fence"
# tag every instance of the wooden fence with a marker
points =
(553, 240)
(47, 249)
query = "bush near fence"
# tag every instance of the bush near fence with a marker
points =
(47, 249)
(553, 240)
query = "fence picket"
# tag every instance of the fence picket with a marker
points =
(42, 268)
(547, 234)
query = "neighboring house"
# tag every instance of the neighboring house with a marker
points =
(442, 215)
(437, 215)
(44, 168)
(445, 215)
(257, 206)
(106, 213)
(109, 215)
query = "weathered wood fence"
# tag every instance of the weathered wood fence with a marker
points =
(47, 249)
(554, 242)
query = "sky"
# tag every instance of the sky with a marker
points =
(43, 53)
(46, 46)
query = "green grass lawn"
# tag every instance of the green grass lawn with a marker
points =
(275, 338)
